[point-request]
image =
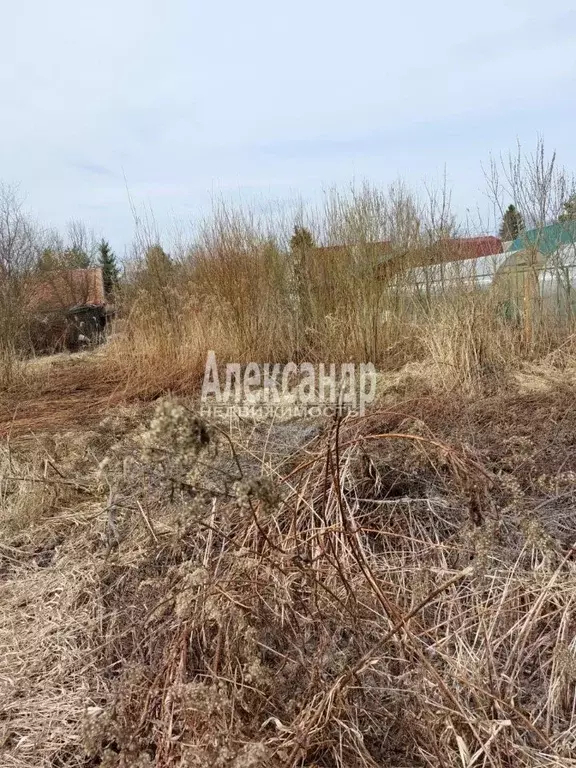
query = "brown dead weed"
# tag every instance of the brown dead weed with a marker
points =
(395, 590)
(77, 392)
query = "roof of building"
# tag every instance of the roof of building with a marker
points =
(65, 289)
(546, 240)
(457, 249)
(394, 258)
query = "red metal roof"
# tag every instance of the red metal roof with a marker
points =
(474, 247)
(455, 249)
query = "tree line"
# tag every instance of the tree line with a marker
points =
(28, 249)
(80, 255)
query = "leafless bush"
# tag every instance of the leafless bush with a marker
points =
(534, 182)
(18, 254)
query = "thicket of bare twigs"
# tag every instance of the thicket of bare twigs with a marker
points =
(242, 288)
(249, 291)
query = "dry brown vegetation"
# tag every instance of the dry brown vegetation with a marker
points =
(390, 590)
(396, 589)
(240, 287)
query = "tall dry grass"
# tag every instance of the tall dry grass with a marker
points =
(241, 290)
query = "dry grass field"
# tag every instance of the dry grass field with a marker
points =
(394, 590)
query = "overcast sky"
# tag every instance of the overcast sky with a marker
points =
(185, 100)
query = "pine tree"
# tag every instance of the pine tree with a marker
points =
(301, 239)
(109, 266)
(48, 260)
(569, 212)
(76, 258)
(512, 224)
(158, 263)
(51, 259)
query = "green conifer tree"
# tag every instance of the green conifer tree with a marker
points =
(109, 265)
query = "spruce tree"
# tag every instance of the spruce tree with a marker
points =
(301, 239)
(109, 267)
(512, 224)
(159, 265)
